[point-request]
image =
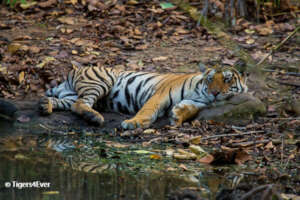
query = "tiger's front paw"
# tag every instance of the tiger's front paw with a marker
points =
(176, 119)
(135, 123)
(45, 106)
(181, 113)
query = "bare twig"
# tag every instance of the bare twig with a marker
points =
(289, 83)
(230, 135)
(278, 46)
(249, 143)
(255, 190)
(282, 148)
(280, 118)
(285, 82)
(285, 73)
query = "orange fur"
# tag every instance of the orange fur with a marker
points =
(184, 113)
(81, 108)
(218, 85)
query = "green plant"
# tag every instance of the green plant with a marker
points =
(13, 3)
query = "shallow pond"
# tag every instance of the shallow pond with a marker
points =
(77, 166)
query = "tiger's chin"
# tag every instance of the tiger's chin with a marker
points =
(223, 97)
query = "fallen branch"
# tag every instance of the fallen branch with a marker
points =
(278, 46)
(230, 135)
(249, 143)
(252, 192)
(289, 83)
(285, 73)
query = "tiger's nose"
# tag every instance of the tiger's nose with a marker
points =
(215, 93)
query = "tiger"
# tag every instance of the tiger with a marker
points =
(146, 95)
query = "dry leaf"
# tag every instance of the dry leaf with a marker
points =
(46, 61)
(74, 2)
(160, 58)
(182, 166)
(149, 131)
(206, 159)
(196, 140)
(67, 20)
(269, 145)
(197, 150)
(116, 144)
(184, 156)
(28, 4)
(265, 31)
(155, 156)
(34, 49)
(48, 3)
(21, 77)
(241, 157)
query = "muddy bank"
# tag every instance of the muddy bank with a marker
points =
(24, 117)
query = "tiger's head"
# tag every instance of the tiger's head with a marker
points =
(224, 82)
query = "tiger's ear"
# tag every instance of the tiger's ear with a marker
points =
(202, 67)
(241, 66)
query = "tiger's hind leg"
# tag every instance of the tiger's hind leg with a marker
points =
(95, 83)
(87, 112)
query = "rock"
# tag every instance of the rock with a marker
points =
(7, 110)
(239, 109)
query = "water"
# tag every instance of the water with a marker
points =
(75, 170)
(70, 184)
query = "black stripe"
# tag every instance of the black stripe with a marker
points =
(182, 89)
(148, 79)
(93, 84)
(68, 95)
(137, 91)
(116, 94)
(99, 77)
(171, 100)
(136, 106)
(149, 92)
(198, 83)
(128, 74)
(199, 101)
(52, 92)
(120, 81)
(130, 80)
(70, 79)
(69, 103)
(89, 96)
(143, 96)
(239, 84)
(127, 95)
(191, 82)
(64, 105)
(90, 89)
(93, 168)
(111, 105)
(119, 107)
(108, 74)
(205, 95)
(122, 109)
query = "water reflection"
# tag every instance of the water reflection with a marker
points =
(75, 185)
(75, 173)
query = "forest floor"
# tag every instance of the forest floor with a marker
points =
(39, 43)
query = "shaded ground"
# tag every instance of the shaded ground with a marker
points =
(38, 44)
